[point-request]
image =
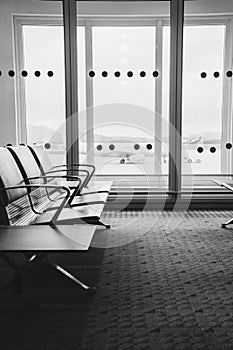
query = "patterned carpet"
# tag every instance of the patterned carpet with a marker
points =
(164, 281)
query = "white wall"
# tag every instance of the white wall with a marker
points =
(9, 7)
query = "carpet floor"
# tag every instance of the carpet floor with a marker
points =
(164, 281)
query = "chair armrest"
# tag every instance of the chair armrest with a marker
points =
(78, 165)
(56, 177)
(58, 187)
(76, 191)
(217, 183)
(71, 170)
(223, 184)
(229, 187)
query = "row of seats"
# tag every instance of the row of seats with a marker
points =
(32, 191)
(46, 209)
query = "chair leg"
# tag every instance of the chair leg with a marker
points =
(67, 274)
(103, 224)
(229, 222)
(96, 221)
(27, 272)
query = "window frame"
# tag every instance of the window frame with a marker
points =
(159, 22)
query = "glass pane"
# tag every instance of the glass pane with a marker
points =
(45, 102)
(120, 50)
(206, 91)
(123, 50)
(32, 96)
(202, 120)
(81, 67)
(121, 128)
(82, 92)
(165, 97)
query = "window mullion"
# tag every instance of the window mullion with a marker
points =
(175, 106)
(71, 80)
(89, 94)
(21, 128)
(158, 98)
(226, 166)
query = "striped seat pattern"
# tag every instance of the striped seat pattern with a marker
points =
(21, 206)
(19, 212)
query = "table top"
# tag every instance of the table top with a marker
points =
(44, 238)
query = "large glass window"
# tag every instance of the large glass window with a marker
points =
(127, 95)
(123, 94)
(32, 72)
(207, 93)
(45, 92)
(202, 98)
(124, 90)
(123, 130)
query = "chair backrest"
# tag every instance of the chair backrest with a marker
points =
(10, 175)
(29, 165)
(26, 163)
(11, 202)
(45, 164)
(41, 157)
(20, 206)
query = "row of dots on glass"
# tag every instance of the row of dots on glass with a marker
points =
(149, 147)
(91, 74)
(137, 147)
(112, 147)
(24, 73)
(213, 149)
(155, 74)
(117, 74)
(229, 74)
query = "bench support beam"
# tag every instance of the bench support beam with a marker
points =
(31, 268)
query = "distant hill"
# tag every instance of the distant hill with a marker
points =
(41, 133)
(122, 139)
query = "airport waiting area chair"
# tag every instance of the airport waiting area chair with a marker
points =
(37, 216)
